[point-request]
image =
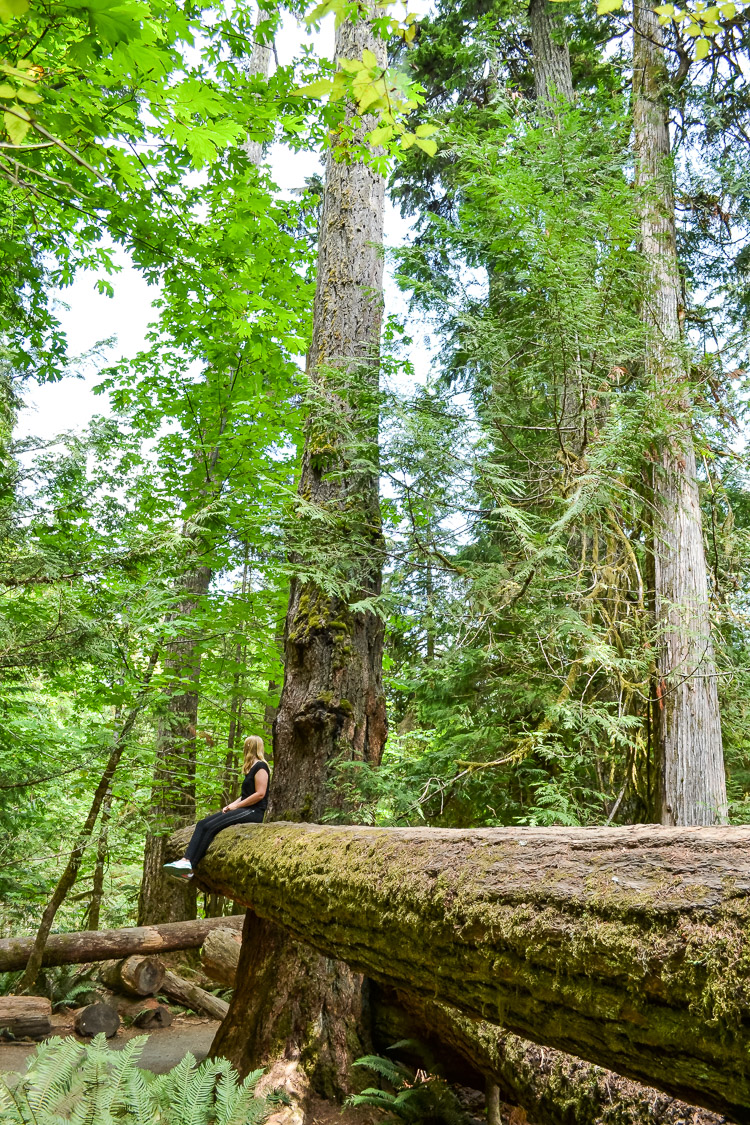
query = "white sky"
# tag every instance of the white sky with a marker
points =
(90, 316)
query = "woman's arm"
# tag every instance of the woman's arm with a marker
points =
(261, 788)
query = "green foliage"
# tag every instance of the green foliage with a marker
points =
(415, 1096)
(70, 1082)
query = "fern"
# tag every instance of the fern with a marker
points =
(418, 1098)
(68, 1083)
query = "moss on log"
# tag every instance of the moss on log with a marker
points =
(551, 1087)
(626, 946)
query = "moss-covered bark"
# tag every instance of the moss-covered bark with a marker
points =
(552, 1087)
(626, 947)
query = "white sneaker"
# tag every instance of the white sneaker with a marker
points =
(180, 869)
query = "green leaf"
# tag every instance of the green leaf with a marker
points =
(16, 127)
(7, 91)
(381, 135)
(11, 8)
(369, 59)
(425, 130)
(407, 140)
(693, 30)
(29, 96)
(604, 6)
(430, 147)
(317, 89)
(702, 48)
(728, 11)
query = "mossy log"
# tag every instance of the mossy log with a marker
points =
(623, 946)
(551, 1087)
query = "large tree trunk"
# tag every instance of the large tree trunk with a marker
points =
(691, 765)
(552, 74)
(553, 1088)
(625, 946)
(103, 945)
(290, 1003)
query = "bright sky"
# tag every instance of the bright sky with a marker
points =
(90, 317)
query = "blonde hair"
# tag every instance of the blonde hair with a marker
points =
(254, 751)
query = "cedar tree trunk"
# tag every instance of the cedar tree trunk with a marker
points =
(692, 786)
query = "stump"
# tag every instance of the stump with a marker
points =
(97, 1018)
(25, 1016)
(135, 976)
(220, 956)
(152, 1016)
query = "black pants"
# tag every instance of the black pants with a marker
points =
(211, 826)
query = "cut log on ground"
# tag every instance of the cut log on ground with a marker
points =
(95, 1019)
(220, 956)
(549, 1085)
(623, 946)
(104, 945)
(131, 1010)
(135, 976)
(193, 997)
(25, 1017)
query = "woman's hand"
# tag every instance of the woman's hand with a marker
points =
(230, 808)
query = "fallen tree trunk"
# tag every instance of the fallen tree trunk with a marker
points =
(624, 946)
(104, 945)
(549, 1085)
(193, 997)
(25, 1016)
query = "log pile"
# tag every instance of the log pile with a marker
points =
(626, 947)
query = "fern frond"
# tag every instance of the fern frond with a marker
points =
(393, 1072)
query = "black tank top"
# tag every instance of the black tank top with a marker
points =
(248, 785)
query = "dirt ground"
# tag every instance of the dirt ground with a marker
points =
(164, 1049)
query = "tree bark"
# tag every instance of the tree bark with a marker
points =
(103, 945)
(692, 786)
(289, 1002)
(25, 1016)
(97, 890)
(626, 946)
(553, 78)
(553, 1088)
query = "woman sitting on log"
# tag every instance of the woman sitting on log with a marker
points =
(249, 808)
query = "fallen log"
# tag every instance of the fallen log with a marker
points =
(104, 945)
(25, 1017)
(623, 946)
(146, 1011)
(550, 1086)
(193, 997)
(95, 1019)
(220, 955)
(135, 976)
